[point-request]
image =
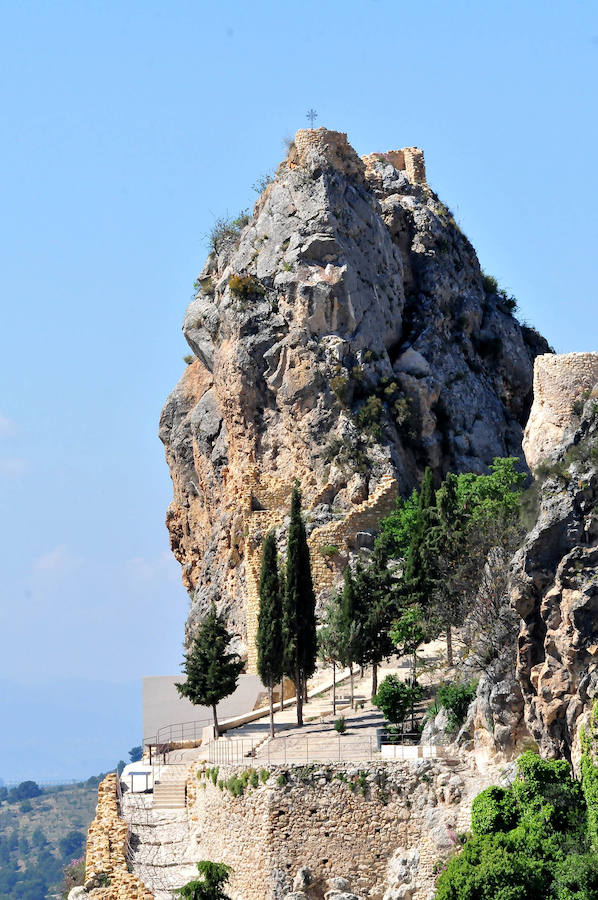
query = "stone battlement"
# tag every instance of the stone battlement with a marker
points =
(321, 148)
(559, 380)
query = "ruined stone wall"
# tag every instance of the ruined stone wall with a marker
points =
(364, 516)
(338, 821)
(559, 380)
(106, 870)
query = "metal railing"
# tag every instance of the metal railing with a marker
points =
(283, 750)
(181, 731)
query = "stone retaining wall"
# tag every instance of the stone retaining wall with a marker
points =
(340, 820)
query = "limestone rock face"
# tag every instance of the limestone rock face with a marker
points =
(559, 381)
(556, 590)
(343, 337)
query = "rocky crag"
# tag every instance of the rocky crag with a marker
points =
(343, 336)
(539, 690)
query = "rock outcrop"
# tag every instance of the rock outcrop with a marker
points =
(345, 337)
(556, 587)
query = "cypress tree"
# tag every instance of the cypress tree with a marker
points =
(269, 627)
(299, 608)
(212, 671)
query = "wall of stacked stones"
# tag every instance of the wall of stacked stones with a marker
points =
(338, 821)
(106, 868)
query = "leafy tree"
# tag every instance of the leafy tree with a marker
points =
(269, 629)
(136, 753)
(299, 607)
(396, 698)
(72, 844)
(214, 877)
(397, 528)
(331, 640)
(408, 633)
(212, 670)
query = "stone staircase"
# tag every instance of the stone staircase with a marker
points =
(161, 854)
(170, 788)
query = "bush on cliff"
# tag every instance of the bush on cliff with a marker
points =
(529, 841)
(215, 875)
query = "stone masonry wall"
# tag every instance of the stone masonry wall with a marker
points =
(106, 869)
(364, 516)
(559, 380)
(338, 821)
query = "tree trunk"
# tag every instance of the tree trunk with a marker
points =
(351, 677)
(216, 726)
(282, 693)
(374, 679)
(333, 688)
(271, 699)
(449, 646)
(299, 696)
(305, 697)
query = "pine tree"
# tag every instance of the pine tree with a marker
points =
(269, 628)
(299, 608)
(212, 671)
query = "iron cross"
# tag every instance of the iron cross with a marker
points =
(312, 116)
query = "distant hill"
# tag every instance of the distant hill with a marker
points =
(40, 835)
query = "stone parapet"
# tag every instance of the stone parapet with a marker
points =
(559, 380)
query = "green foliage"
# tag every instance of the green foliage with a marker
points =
(340, 384)
(269, 628)
(529, 841)
(369, 416)
(136, 753)
(214, 877)
(299, 605)
(493, 810)
(455, 697)
(212, 670)
(399, 526)
(395, 698)
(329, 550)
(282, 779)
(188, 359)
(492, 289)
(264, 775)
(339, 725)
(226, 231)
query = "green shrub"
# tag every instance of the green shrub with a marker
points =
(264, 775)
(214, 877)
(369, 415)
(530, 841)
(282, 779)
(188, 359)
(341, 387)
(339, 725)
(493, 810)
(456, 697)
(395, 698)
(329, 550)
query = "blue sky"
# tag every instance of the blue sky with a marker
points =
(126, 129)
